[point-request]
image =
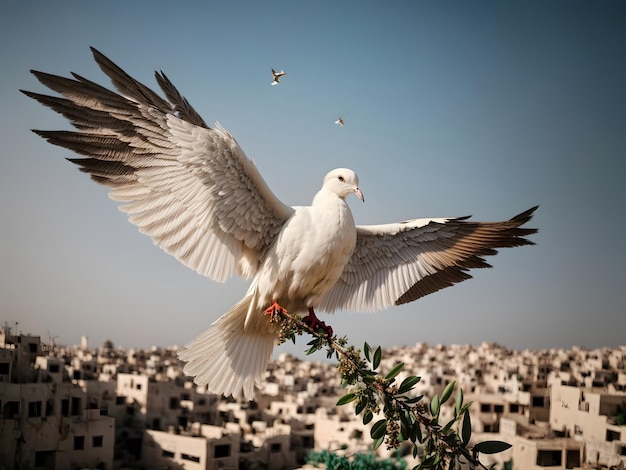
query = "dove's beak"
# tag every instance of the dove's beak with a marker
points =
(359, 194)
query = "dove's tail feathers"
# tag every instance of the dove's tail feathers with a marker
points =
(226, 357)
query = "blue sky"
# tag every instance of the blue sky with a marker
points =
(451, 108)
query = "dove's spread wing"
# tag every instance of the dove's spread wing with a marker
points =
(399, 263)
(189, 187)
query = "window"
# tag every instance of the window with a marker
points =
(538, 401)
(4, 368)
(514, 408)
(53, 368)
(485, 407)
(34, 409)
(76, 406)
(11, 410)
(612, 435)
(138, 387)
(65, 407)
(275, 448)
(572, 458)
(120, 400)
(173, 403)
(79, 442)
(97, 441)
(498, 408)
(44, 459)
(221, 451)
(191, 458)
(549, 458)
(168, 454)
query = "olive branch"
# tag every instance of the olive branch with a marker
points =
(402, 416)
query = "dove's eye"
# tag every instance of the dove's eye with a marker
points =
(341, 179)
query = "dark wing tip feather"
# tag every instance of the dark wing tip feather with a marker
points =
(437, 281)
(181, 105)
(525, 216)
(127, 84)
(105, 172)
(493, 235)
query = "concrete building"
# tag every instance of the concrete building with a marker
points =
(45, 422)
(76, 407)
(595, 417)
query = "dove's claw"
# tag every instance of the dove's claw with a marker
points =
(314, 323)
(273, 310)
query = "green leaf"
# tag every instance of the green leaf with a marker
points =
(448, 425)
(466, 431)
(428, 462)
(367, 417)
(346, 399)
(491, 447)
(366, 350)
(378, 442)
(459, 401)
(418, 433)
(434, 406)
(360, 406)
(379, 429)
(466, 453)
(408, 383)
(378, 355)
(407, 419)
(447, 392)
(395, 371)
(412, 401)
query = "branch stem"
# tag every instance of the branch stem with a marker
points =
(382, 385)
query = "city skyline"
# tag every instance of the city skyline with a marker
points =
(449, 110)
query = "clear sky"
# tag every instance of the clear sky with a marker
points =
(451, 108)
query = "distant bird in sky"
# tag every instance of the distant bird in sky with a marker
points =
(193, 190)
(277, 76)
(340, 121)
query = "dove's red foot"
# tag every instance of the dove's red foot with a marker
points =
(274, 309)
(314, 323)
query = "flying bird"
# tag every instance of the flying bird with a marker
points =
(193, 190)
(340, 121)
(277, 76)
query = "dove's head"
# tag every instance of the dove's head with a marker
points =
(343, 182)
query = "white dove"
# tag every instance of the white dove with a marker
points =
(340, 121)
(194, 191)
(277, 76)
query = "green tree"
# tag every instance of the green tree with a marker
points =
(358, 462)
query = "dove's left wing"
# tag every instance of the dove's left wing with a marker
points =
(188, 186)
(395, 264)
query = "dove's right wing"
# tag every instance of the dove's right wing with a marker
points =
(189, 187)
(394, 264)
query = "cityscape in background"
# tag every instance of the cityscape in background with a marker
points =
(86, 407)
